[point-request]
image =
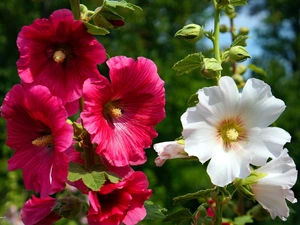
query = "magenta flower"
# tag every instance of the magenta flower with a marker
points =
(120, 115)
(59, 53)
(120, 202)
(38, 131)
(39, 211)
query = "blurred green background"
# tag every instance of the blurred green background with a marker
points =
(150, 33)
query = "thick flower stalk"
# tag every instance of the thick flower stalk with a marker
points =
(232, 129)
(39, 211)
(59, 53)
(272, 190)
(38, 131)
(120, 115)
(118, 203)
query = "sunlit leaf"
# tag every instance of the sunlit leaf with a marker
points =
(189, 63)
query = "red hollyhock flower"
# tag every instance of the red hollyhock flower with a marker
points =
(38, 132)
(120, 202)
(120, 115)
(39, 211)
(59, 53)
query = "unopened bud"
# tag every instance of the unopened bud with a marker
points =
(229, 9)
(223, 28)
(238, 54)
(239, 80)
(241, 69)
(191, 32)
(222, 3)
(107, 18)
(243, 31)
(211, 68)
(70, 206)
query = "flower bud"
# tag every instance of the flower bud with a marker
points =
(211, 68)
(191, 33)
(223, 28)
(107, 18)
(69, 206)
(239, 80)
(230, 11)
(241, 69)
(244, 31)
(222, 3)
(238, 54)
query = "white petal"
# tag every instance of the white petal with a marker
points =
(258, 106)
(224, 166)
(271, 199)
(200, 141)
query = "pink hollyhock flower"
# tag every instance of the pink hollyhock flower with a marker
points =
(120, 115)
(118, 203)
(39, 211)
(38, 132)
(59, 53)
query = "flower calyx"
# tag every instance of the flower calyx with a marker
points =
(238, 54)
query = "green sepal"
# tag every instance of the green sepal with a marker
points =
(238, 2)
(257, 69)
(193, 100)
(240, 40)
(189, 63)
(95, 30)
(199, 194)
(122, 4)
(179, 216)
(201, 215)
(154, 211)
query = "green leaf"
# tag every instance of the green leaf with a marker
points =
(240, 40)
(241, 220)
(189, 63)
(95, 30)
(94, 179)
(121, 3)
(179, 216)
(199, 194)
(113, 178)
(154, 211)
(193, 100)
(257, 69)
(238, 2)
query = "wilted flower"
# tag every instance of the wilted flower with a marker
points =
(118, 203)
(59, 53)
(120, 115)
(169, 150)
(39, 211)
(38, 132)
(232, 129)
(272, 190)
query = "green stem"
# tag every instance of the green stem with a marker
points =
(75, 7)
(216, 35)
(218, 213)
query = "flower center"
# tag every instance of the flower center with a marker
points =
(231, 131)
(59, 56)
(43, 141)
(112, 111)
(232, 134)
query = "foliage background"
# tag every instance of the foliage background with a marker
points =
(150, 33)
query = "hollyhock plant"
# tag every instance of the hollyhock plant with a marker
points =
(39, 211)
(120, 115)
(231, 128)
(38, 131)
(272, 190)
(118, 203)
(169, 150)
(59, 53)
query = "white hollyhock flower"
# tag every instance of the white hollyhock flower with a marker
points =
(169, 150)
(231, 128)
(272, 190)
